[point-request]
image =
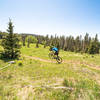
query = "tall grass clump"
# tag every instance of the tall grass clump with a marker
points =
(20, 63)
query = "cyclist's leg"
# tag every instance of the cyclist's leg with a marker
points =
(56, 54)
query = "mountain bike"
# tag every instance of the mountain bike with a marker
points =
(53, 56)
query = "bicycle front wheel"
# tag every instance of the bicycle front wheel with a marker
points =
(59, 60)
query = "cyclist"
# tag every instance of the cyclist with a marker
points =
(55, 50)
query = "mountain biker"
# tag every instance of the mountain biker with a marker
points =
(55, 50)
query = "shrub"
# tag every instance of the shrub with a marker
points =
(20, 63)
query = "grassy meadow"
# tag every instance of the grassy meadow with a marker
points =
(77, 78)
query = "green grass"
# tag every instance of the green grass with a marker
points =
(30, 79)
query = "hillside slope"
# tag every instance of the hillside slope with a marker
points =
(77, 78)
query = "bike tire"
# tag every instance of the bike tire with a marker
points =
(59, 60)
(51, 55)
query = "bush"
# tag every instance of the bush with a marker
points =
(20, 63)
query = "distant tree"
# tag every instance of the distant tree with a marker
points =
(69, 44)
(37, 43)
(94, 48)
(28, 42)
(51, 41)
(2, 34)
(86, 43)
(62, 42)
(58, 45)
(11, 43)
(47, 40)
(78, 44)
(44, 43)
(23, 39)
(54, 41)
(30, 39)
(96, 38)
(40, 39)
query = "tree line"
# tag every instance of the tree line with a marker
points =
(80, 44)
(11, 42)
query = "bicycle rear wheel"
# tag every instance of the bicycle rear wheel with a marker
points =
(59, 60)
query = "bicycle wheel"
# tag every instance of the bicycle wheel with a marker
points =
(59, 60)
(51, 55)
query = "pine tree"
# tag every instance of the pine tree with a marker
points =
(47, 40)
(23, 39)
(62, 42)
(28, 42)
(94, 48)
(37, 43)
(11, 43)
(44, 43)
(86, 43)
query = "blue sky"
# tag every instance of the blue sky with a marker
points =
(61, 17)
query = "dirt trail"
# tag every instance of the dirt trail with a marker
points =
(36, 58)
(93, 66)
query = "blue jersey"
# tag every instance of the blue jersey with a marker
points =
(55, 49)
